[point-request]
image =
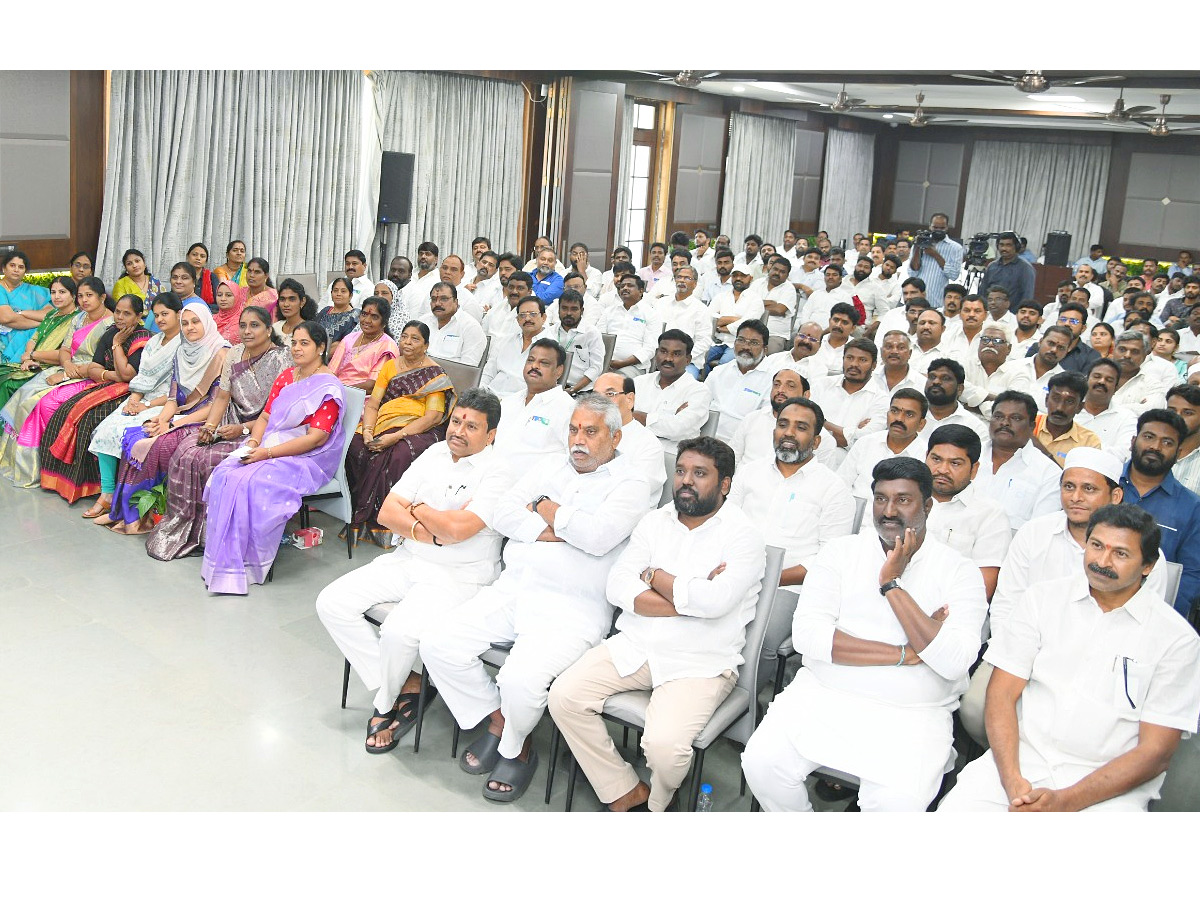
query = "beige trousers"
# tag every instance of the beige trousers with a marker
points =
(678, 711)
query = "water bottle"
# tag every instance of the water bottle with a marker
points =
(704, 801)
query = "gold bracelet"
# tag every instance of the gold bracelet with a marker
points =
(268, 453)
(413, 531)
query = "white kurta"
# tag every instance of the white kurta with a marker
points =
(1026, 486)
(747, 305)
(534, 433)
(691, 317)
(847, 411)
(459, 340)
(735, 393)
(664, 418)
(755, 437)
(1116, 428)
(868, 451)
(585, 351)
(504, 372)
(637, 329)
(974, 525)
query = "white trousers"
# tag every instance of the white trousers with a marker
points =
(979, 789)
(775, 772)
(539, 655)
(383, 661)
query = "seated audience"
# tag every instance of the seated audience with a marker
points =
(801, 357)
(1184, 399)
(534, 422)
(1069, 743)
(990, 372)
(137, 280)
(258, 290)
(931, 326)
(853, 404)
(670, 401)
(403, 417)
(206, 279)
(1056, 429)
(906, 414)
(339, 317)
(639, 446)
(40, 350)
(293, 307)
(1114, 425)
(23, 306)
(635, 323)
(686, 584)
(754, 439)
(683, 310)
(250, 369)
(234, 268)
(847, 693)
(830, 356)
(743, 386)
(454, 334)
(442, 506)
(228, 312)
(896, 373)
(1045, 362)
(502, 373)
(297, 445)
(742, 302)
(358, 359)
(581, 341)
(416, 293)
(1137, 388)
(573, 517)
(1012, 470)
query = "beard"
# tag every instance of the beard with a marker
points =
(1155, 466)
(696, 505)
(746, 360)
(791, 456)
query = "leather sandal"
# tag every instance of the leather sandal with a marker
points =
(387, 723)
(97, 509)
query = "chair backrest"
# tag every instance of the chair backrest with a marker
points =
(562, 382)
(1174, 574)
(756, 631)
(860, 507)
(332, 274)
(668, 485)
(335, 495)
(610, 344)
(462, 376)
(709, 427)
(766, 315)
(487, 348)
(308, 280)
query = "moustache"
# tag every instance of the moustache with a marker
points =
(579, 448)
(1101, 570)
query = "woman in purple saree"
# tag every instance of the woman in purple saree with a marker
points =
(294, 448)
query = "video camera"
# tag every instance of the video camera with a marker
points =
(927, 237)
(977, 248)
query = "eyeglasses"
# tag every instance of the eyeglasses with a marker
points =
(1014, 419)
(1073, 320)
(993, 341)
(745, 343)
(527, 316)
(613, 395)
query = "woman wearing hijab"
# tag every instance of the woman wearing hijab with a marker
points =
(146, 449)
(228, 314)
(398, 309)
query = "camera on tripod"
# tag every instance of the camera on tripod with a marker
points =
(977, 248)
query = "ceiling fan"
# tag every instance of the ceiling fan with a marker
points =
(918, 119)
(1158, 127)
(1119, 114)
(1034, 82)
(687, 78)
(843, 102)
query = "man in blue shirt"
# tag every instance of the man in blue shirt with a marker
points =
(1148, 483)
(1095, 258)
(937, 263)
(1009, 271)
(547, 283)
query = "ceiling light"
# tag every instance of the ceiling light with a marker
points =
(777, 87)
(888, 116)
(738, 89)
(1056, 98)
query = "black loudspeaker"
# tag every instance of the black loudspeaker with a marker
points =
(1057, 249)
(395, 188)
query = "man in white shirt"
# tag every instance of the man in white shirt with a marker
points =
(356, 271)
(1029, 327)
(501, 320)
(400, 271)
(991, 372)
(619, 255)
(903, 317)
(882, 289)
(998, 306)
(636, 325)
(573, 520)
(502, 373)
(943, 387)
(666, 287)
(963, 343)
(451, 272)
(829, 358)
(820, 303)
(931, 326)
(1189, 336)
(1012, 470)
(1116, 426)
(848, 692)
(808, 277)
(444, 505)
(779, 301)
(749, 256)
(1137, 389)
(1107, 678)
(686, 584)
(799, 358)
(906, 414)
(703, 256)
(974, 525)
(797, 503)
(684, 311)
(533, 424)
(717, 280)
(896, 373)
(416, 294)
(578, 256)
(659, 268)
(851, 402)
(670, 401)
(1047, 362)
(730, 308)
(639, 445)
(1085, 278)
(743, 385)
(453, 335)
(754, 438)
(583, 343)
(485, 287)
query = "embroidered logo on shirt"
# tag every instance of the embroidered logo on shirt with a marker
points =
(752, 391)
(540, 419)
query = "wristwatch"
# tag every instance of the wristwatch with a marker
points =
(890, 586)
(539, 500)
(245, 431)
(648, 575)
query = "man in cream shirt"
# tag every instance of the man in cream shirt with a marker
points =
(453, 335)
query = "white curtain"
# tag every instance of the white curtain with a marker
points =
(758, 177)
(1036, 188)
(846, 187)
(267, 157)
(622, 223)
(467, 135)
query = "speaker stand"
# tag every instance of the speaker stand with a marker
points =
(383, 257)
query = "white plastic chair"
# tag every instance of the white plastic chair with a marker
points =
(334, 498)
(308, 281)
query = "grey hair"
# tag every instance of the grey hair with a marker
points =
(598, 403)
(902, 334)
(1003, 327)
(1132, 335)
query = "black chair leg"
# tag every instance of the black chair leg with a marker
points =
(420, 710)
(555, 740)
(454, 741)
(303, 515)
(574, 770)
(351, 538)
(742, 790)
(780, 666)
(625, 736)
(699, 767)
(345, 683)
(755, 806)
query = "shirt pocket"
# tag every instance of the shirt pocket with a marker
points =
(1131, 681)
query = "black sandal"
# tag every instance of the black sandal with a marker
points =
(387, 723)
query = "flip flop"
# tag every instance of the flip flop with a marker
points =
(486, 749)
(388, 720)
(515, 774)
(406, 718)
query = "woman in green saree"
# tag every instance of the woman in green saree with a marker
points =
(42, 350)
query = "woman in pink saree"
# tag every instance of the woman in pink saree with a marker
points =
(293, 449)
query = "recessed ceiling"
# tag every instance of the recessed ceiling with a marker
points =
(979, 104)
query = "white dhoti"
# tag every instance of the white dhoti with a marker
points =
(383, 661)
(543, 647)
(899, 753)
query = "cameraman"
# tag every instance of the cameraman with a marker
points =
(936, 259)
(1009, 271)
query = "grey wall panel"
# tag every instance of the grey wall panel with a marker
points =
(928, 176)
(697, 181)
(35, 105)
(1162, 200)
(806, 176)
(35, 189)
(594, 123)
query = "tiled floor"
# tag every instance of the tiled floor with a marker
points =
(125, 686)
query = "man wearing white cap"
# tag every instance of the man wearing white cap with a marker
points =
(730, 309)
(1051, 547)
(819, 304)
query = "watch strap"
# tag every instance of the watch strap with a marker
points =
(889, 585)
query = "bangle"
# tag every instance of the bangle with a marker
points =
(256, 443)
(903, 653)
(268, 453)
(413, 531)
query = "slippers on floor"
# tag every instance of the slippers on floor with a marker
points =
(515, 774)
(486, 749)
